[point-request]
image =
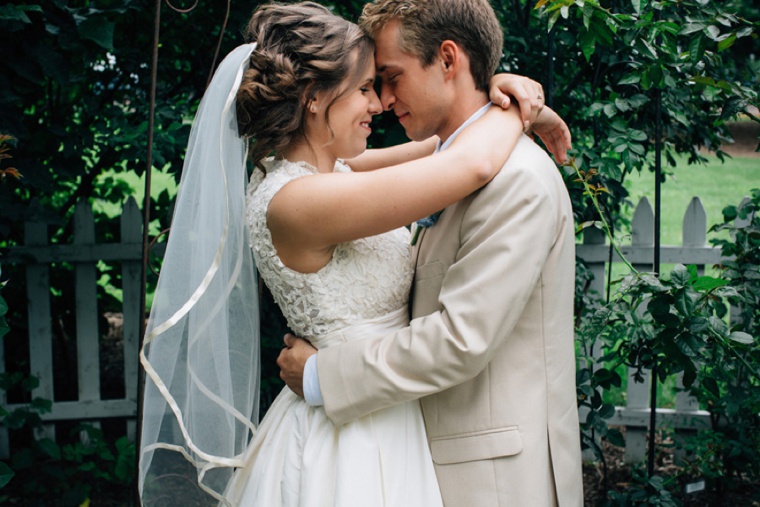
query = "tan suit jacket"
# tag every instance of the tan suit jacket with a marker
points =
(490, 349)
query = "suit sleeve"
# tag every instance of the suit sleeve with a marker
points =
(506, 234)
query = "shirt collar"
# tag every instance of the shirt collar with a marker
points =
(480, 112)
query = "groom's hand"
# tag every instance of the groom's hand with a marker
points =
(292, 361)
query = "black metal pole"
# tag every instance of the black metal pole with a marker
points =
(145, 242)
(550, 71)
(656, 267)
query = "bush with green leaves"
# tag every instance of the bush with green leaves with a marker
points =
(46, 473)
(679, 323)
(728, 384)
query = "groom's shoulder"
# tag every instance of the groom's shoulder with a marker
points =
(529, 154)
(528, 162)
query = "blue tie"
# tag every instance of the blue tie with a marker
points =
(424, 223)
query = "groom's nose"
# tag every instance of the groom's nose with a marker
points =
(387, 98)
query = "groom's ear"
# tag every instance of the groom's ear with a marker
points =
(450, 58)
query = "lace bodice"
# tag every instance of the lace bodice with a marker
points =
(364, 279)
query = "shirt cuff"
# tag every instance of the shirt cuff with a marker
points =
(311, 391)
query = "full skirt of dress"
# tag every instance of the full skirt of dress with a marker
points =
(298, 458)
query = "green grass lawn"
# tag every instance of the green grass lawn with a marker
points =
(717, 185)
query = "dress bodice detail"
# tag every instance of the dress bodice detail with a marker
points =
(365, 278)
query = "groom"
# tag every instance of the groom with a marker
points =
(489, 351)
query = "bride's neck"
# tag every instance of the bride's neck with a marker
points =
(304, 152)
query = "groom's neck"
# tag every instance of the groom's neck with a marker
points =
(466, 104)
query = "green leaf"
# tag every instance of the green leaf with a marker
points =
(697, 48)
(691, 28)
(3, 306)
(727, 42)
(706, 283)
(607, 410)
(588, 42)
(30, 383)
(630, 79)
(741, 337)
(729, 213)
(50, 448)
(655, 75)
(685, 302)
(6, 474)
(651, 280)
(713, 31)
(97, 30)
(711, 386)
(638, 135)
(622, 104)
(18, 12)
(698, 324)
(689, 376)
(705, 80)
(615, 437)
(719, 326)
(680, 275)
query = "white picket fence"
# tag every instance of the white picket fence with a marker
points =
(84, 254)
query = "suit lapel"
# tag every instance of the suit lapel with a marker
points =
(415, 259)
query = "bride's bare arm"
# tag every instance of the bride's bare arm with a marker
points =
(377, 158)
(310, 215)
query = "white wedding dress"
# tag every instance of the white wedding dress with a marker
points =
(298, 457)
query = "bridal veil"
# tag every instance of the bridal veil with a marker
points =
(201, 349)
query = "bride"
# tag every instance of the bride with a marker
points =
(328, 238)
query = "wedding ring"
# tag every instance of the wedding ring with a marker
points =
(540, 97)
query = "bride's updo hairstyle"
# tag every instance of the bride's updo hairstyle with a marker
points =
(301, 49)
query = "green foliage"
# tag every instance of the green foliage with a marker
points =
(44, 472)
(728, 385)
(644, 491)
(591, 378)
(678, 323)
(616, 60)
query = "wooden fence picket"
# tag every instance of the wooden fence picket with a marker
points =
(131, 274)
(86, 298)
(39, 319)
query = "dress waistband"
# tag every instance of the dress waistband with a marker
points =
(370, 327)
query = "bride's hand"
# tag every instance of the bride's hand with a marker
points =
(554, 133)
(529, 94)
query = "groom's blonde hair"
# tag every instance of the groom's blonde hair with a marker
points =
(425, 24)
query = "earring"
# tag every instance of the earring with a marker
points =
(313, 108)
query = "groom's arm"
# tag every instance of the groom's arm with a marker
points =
(507, 236)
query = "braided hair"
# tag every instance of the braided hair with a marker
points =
(302, 49)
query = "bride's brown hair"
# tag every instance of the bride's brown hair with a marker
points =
(301, 49)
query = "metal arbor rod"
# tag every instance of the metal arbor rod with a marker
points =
(145, 243)
(656, 267)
